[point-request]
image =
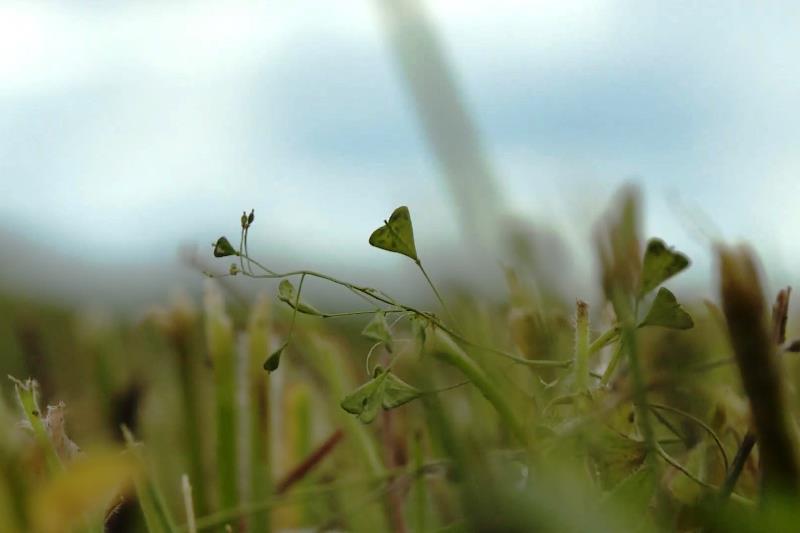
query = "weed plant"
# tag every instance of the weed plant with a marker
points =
(633, 413)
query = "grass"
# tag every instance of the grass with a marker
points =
(634, 412)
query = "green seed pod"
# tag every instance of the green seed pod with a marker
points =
(223, 248)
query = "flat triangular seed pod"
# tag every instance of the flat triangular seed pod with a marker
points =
(660, 263)
(398, 392)
(378, 330)
(365, 401)
(667, 312)
(396, 235)
(223, 248)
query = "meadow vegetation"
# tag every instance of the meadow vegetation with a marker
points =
(273, 412)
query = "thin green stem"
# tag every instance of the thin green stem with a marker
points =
(604, 340)
(246, 251)
(639, 387)
(612, 365)
(581, 367)
(369, 356)
(546, 363)
(685, 471)
(436, 292)
(670, 426)
(358, 313)
(447, 350)
(294, 307)
(700, 423)
(675, 464)
(448, 388)
(241, 255)
(386, 299)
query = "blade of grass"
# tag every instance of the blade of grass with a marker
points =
(222, 349)
(156, 514)
(258, 330)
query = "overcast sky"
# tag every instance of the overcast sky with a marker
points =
(129, 128)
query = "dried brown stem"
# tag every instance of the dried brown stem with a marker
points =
(753, 342)
(308, 464)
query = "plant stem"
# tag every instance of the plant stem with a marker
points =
(301, 470)
(581, 346)
(639, 391)
(242, 255)
(603, 340)
(436, 292)
(448, 351)
(384, 298)
(739, 461)
(700, 423)
(612, 365)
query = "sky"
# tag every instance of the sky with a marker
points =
(130, 129)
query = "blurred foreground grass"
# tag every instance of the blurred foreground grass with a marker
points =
(636, 413)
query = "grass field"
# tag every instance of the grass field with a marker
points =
(272, 412)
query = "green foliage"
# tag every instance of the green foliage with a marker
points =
(383, 390)
(524, 414)
(615, 456)
(287, 294)
(223, 248)
(274, 360)
(632, 495)
(378, 330)
(156, 514)
(667, 312)
(660, 263)
(397, 392)
(396, 235)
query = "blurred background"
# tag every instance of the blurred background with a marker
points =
(130, 131)
(134, 134)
